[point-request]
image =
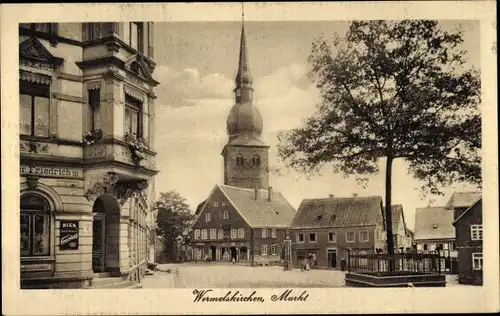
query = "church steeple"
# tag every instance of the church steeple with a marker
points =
(244, 80)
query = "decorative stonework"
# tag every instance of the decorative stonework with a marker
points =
(124, 191)
(32, 53)
(32, 182)
(34, 77)
(33, 147)
(101, 185)
(38, 65)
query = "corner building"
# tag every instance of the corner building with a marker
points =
(87, 159)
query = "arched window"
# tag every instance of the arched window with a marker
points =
(35, 226)
(240, 161)
(256, 161)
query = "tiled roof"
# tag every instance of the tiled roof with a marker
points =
(260, 212)
(463, 199)
(434, 223)
(338, 212)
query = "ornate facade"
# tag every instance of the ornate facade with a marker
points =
(87, 159)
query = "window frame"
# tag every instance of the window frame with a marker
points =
(208, 217)
(367, 236)
(234, 233)
(31, 212)
(477, 256)
(476, 229)
(273, 232)
(315, 237)
(204, 234)
(197, 234)
(273, 250)
(35, 90)
(225, 215)
(334, 239)
(297, 239)
(213, 233)
(264, 250)
(133, 105)
(220, 234)
(264, 232)
(353, 237)
(140, 36)
(241, 233)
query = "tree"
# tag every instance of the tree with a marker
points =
(391, 90)
(173, 219)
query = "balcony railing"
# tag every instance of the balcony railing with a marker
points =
(402, 264)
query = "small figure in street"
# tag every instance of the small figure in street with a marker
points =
(305, 265)
(233, 260)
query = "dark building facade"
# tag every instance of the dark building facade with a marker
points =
(327, 229)
(469, 240)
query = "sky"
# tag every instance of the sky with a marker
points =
(196, 67)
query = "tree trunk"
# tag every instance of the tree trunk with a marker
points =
(388, 210)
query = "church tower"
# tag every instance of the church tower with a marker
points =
(246, 162)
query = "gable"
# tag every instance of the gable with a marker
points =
(216, 204)
(475, 210)
(34, 51)
(136, 65)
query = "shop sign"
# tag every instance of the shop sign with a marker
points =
(50, 171)
(36, 267)
(68, 236)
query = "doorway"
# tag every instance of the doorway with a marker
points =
(234, 254)
(213, 252)
(99, 243)
(332, 258)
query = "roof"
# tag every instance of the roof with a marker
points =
(397, 214)
(463, 199)
(200, 207)
(260, 212)
(338, 212)
(434, 223)
(467, 210)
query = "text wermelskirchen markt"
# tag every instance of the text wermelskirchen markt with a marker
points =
(204, 296)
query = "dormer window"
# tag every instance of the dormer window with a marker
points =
(434, 226)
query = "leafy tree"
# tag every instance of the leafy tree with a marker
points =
(389, 90)
(173, 219)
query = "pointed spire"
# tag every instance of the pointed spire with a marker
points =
(243, 78)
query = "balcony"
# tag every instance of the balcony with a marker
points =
(127, 153)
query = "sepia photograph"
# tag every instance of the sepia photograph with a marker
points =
(231, 157)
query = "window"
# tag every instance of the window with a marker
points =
(221, 234)
(263, 250)
(241, 233)
(273, 249)
(213, 233)
(197, 234)
(223, 203)
(133, 117)
(312, 237)
(476, 232)
(264, 232)
(363, 236)
(137, 36)
(332, 237)
(255, 161)
(300, 237)
(349, 237)
(95, 109)
(477, 261)
(34, 109)
(240, 161)
(216, 204)
(273, 233)
(35, 226)
(208, 217)
(225, 215)
(93, 31)
(204, 234)
(425, 246)
(234, 233)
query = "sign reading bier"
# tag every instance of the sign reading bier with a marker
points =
(51, 171)
(68, 236)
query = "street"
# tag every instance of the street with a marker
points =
(203, 275)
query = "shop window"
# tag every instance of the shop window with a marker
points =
(34, 109)
(35, 226)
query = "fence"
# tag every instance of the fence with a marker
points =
(402, 263)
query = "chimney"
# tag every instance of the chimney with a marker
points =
(331, 196)
(256, 193)
(354, 195)
(270, 194)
